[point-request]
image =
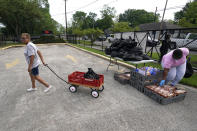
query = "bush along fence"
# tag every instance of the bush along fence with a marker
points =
(7, 40)
(37, 39)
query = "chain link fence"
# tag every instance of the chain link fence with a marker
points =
(98, 44)
(7, 40)
(150, 41)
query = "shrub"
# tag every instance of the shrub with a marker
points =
(48, 39)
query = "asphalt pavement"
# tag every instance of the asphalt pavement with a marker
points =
(118, 108)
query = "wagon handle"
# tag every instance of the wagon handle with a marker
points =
(56, 73)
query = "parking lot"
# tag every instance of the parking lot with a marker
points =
(118, 108)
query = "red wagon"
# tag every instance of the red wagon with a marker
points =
(77, 79)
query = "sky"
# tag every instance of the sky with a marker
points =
(57, 7)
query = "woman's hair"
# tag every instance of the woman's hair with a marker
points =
(177, 54)
(27, 35)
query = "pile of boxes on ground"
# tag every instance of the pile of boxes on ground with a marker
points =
(146, 80)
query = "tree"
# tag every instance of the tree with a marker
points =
(93, 34)
(121, 27)
(70, 30)
(83, 21)
(104, 23)
(107, 15)
(90, 20)
(180, 14)
(30, 16)
(137, 17)
(108, 11)
(60, 29)
(187, 17)
(169, 21)
(79, 33)
(79, 19)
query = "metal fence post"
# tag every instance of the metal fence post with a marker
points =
(102, 44)
(79, 40)
(73, 39)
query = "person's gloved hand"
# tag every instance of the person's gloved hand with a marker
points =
(162, 83)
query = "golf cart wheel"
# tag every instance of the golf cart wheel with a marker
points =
(101, 88)
(95, 93)
(73, 89)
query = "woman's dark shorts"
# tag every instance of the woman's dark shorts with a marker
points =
(35, 71)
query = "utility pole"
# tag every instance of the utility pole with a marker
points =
(66, 20)
(163, 18)
(155, 22)
(164, 11)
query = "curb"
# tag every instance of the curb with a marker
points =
(101, 56)
(11, 47)
(51, 44)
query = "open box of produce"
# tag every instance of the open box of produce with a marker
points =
(123, 78)
(144, 76)
(147, 74)
(165, 95)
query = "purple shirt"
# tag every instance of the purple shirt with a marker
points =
(168, 62)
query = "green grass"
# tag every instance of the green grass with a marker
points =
(84, 42)
(90, 49)
(186, 81)
(190, 81)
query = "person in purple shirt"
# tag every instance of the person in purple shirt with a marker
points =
(174, 64)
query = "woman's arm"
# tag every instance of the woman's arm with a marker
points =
(41, 57)
(165, 73)
(31, 63)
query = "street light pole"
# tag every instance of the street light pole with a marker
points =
(66, 19)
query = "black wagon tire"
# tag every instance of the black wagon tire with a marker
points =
(101, 88)
(95, 93)
(73, 89)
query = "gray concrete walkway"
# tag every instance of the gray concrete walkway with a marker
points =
(119, 108)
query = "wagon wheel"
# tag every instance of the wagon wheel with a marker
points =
(73, 89)
(95, 93)
(101, 88)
